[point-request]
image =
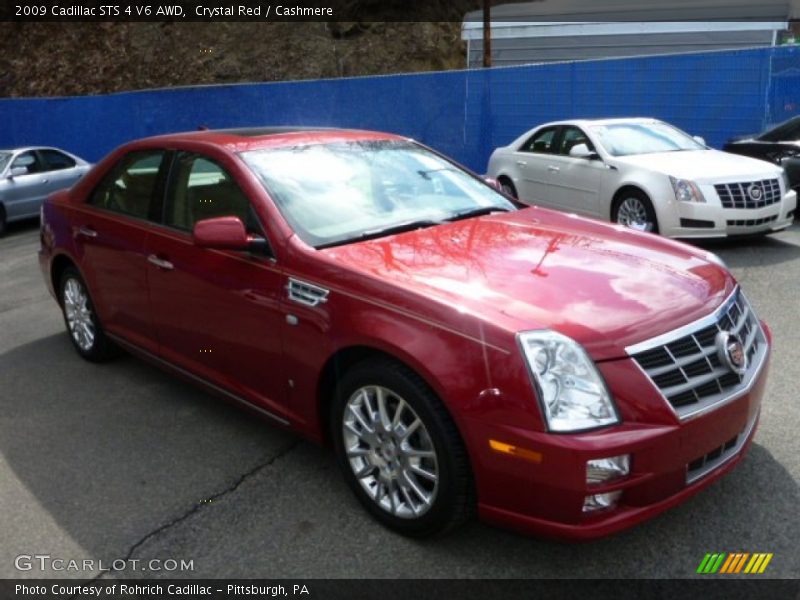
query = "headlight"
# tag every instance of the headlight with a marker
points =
(570, 389)
(686, 191)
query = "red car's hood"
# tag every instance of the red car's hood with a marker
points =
(600, 284)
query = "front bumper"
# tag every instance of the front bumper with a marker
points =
(706, 220)
(670, 461)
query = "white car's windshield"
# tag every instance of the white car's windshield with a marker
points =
(4, 158)
(625, 139)
(337, 192)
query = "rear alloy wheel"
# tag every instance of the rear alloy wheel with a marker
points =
(635, 211)
(399, 450)
(83, 327)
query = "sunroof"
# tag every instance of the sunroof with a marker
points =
(259, 131)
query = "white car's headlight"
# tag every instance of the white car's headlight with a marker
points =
(686, 191)
(573, 395)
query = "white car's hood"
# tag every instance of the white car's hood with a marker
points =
(703, 165)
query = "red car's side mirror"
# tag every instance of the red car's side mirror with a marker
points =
(222, 233)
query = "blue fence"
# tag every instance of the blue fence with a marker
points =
(462, 113)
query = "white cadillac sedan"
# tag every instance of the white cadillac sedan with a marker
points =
(644, 174)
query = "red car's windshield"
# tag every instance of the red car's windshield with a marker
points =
(338, 192)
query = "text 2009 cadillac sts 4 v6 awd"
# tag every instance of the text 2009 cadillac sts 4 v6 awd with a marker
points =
(560, 375)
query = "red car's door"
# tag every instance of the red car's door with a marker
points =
(215, 312)
(110, 232)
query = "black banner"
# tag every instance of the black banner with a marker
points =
(384, 10)
(712, 588)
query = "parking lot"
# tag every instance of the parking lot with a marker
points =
(123, 461)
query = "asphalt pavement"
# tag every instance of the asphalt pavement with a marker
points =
(121, 461)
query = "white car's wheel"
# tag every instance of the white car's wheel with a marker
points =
(633, 209)
(507, 187)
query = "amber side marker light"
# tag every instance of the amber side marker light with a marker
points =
(515, 451)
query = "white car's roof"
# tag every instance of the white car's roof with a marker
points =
(585, 122)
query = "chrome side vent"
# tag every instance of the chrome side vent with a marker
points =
(306, 294)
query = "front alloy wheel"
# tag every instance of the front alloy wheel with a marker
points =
(399, 450)
(636, 212)
(390, 452)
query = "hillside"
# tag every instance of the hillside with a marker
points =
(58, 59)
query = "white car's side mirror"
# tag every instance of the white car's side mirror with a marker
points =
(16, 171)
(582, 151)
(699, 140)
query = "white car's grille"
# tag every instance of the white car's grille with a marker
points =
(686, 366)
(750, 194)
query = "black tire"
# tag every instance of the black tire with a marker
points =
(649, 220)
(452, 499)
(101, 349)
(508, 187)
(3, 223)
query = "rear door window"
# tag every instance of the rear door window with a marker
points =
(131, 186)
(55, 160)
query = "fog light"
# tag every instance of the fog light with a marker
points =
(601, 501)
(601, 470)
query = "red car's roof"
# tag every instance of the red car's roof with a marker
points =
(265, 137)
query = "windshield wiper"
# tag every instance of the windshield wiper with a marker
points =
(384, 231)
(476, 212)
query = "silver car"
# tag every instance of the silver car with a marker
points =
(29, 175)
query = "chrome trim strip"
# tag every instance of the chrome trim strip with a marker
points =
(723, 458)
(676, 334)
(205, 382)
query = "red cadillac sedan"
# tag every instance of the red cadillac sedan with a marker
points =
(461, 354)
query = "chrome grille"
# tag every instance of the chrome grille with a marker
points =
(685, 365)
(740, 195)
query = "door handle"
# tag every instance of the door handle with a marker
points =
(87, 232)
(45, 181)
(160, 262)
(553, 169)
(522, 163)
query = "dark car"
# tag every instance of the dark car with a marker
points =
(554, 374)
(779, 145)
